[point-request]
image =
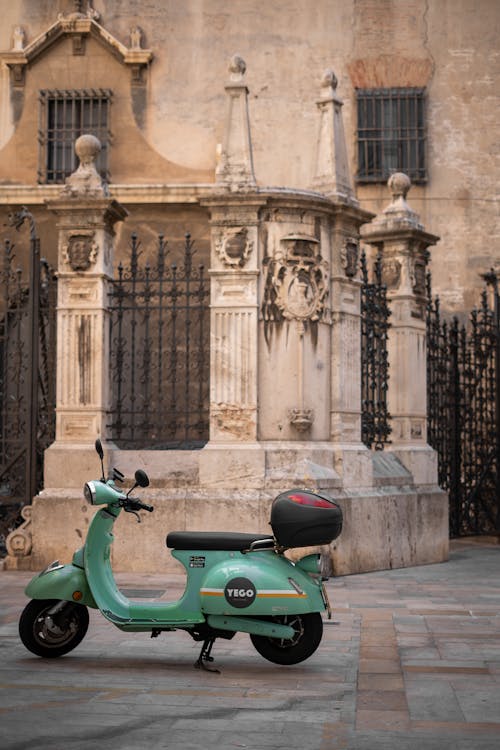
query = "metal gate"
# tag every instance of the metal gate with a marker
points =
(463, 404)
(160, 355)
(27, 374)
(375, 313)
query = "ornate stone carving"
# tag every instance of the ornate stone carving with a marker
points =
(349, 256)
(418, 276)
(329, 81)
(77, 14)
(237, 68)
(18, 39)
(398, 211)
(80, 251)
(135, 37)
(19, 541)
(399, 184)
(391, 273)
(301, 419)
(234, 246)
(85, 181)
(297, 282)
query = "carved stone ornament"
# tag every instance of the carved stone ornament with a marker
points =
(78, 13)
(418, 277)
(297, 282)
(80, 251)
(391, 274)
(85, 180)
(18, 39)
(136, 37)
(19, 541)
(234, 247)
(301, 419)
(349, 257)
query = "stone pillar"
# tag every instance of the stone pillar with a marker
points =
(332, 177)
(85, 220)
(232, 448)
(403, 243)
(234, 313)
(232, 451)
(352, 458)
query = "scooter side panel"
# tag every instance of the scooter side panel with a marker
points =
(61, 583)
(260, 583)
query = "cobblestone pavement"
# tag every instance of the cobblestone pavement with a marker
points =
(410, 660)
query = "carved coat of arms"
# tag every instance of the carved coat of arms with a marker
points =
(80, 251)
(297, 282)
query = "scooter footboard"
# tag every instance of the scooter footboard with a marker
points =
(251, 625)
(66, 582)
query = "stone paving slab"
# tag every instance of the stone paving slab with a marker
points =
(410, 660)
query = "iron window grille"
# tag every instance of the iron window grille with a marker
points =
(64, 116)
(391, 133)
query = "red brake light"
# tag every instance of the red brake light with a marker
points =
(313, 501)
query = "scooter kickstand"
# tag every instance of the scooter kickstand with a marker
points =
(204, 657)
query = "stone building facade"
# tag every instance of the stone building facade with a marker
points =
(188, 143)
(164, 63)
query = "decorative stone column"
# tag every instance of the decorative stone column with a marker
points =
(400, 238)
(85, 220)
(332, 177)
(353, 460)
(233, 343)
(232, 450)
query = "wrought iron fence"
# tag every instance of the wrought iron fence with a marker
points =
(160, 351)
(27, 377)
(463, 404)
(375, 417)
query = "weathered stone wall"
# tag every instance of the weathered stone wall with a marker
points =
(168, 132)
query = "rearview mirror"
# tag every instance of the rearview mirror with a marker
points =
(98, 447)
(141, 478)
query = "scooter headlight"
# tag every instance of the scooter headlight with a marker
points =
(89, 492)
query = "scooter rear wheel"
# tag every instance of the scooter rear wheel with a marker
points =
(52, 635)
(308, 633)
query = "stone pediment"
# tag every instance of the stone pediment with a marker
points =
(78, 26)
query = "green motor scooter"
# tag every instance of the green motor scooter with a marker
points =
(236, 582)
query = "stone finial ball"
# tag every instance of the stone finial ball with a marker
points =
(87, 148)
(237, 65)
(399, 184)
(329, 79)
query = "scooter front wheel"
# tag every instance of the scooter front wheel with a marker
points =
(308, 633)
(50, 631)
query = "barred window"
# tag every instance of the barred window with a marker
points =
(391, 133)
(64, 116)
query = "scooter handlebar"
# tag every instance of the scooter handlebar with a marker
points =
(149, 508)
(134, 504)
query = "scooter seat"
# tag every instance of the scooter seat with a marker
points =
(217, 540)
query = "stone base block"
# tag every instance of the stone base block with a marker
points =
(391, 528)
(421, 461)
(70, 465)
(385, 528)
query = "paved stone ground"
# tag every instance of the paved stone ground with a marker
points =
(411, 660)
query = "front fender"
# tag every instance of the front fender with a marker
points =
(65, 582)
